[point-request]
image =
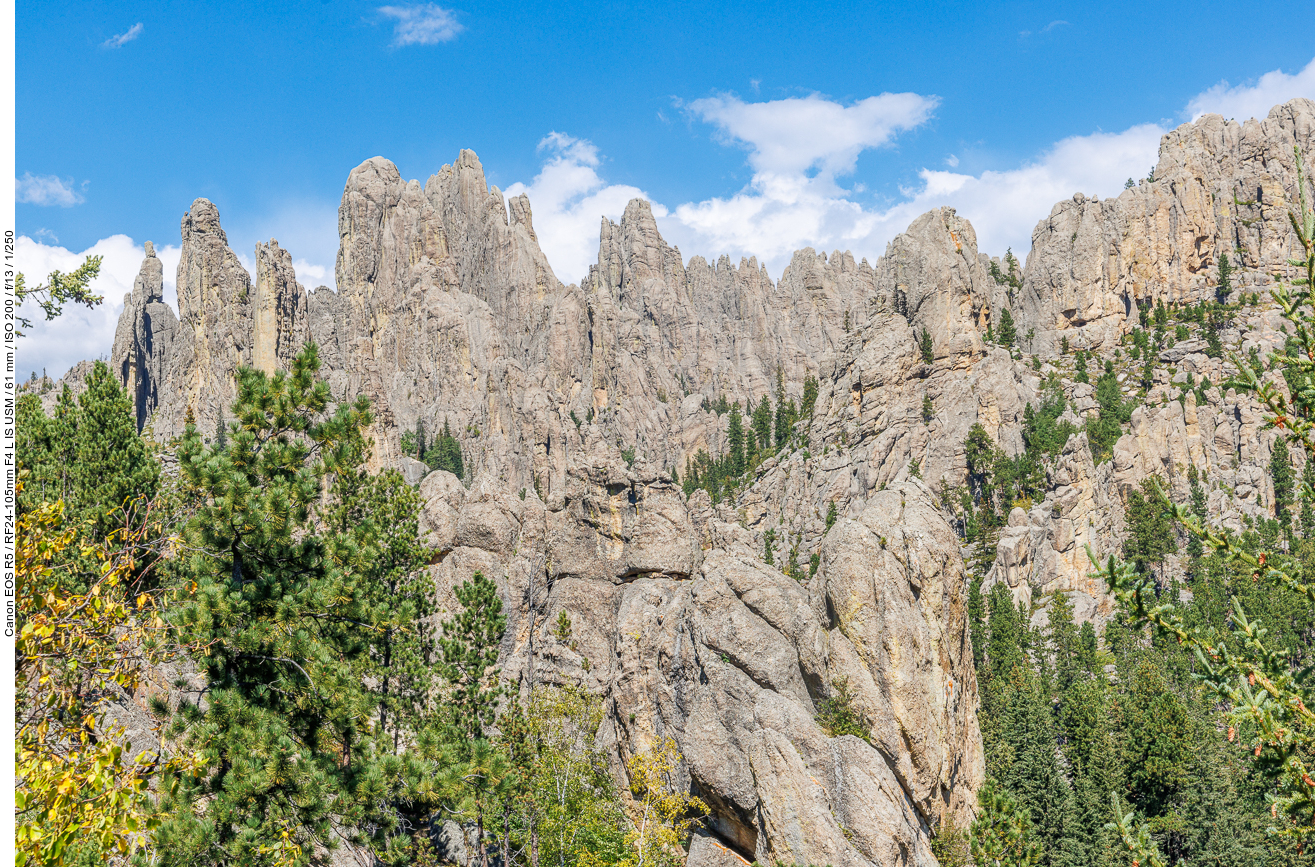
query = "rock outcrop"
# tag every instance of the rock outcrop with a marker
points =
(731, 657)
(726, 625)
(1220, 188)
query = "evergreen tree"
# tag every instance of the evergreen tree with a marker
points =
(786, 416)
(378, 515)
(977, 624)
(445, 454)
(1307, 498)
(762, 423)
(925, 348)
(276, 626)
(470, 655)
(1224, 287)
(810, 397)
(735, 439)
(1284, 479)
(1008, 332)
(422, 445)
(114, 473)
(1001, 835)
(1150, 529)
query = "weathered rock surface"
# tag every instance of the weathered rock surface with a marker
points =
(1220, 186)
(731, 657)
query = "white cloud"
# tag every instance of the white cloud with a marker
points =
(46, 190)
(306, 229)
(794, 136)
(1254, 100)
(422, 24)
(784, 210)
(569, 200)
(799, 147)
(124, 38)
(82, 333)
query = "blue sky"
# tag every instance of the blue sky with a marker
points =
(754, 128)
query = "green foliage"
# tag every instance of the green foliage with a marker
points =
(470, 655)
(1224, 287)
(928, 409)
(91, 457)
(1007, 335)
(1001, 835)
(275, 613)
(837, 715)
(1151, 535)
(786, 416)
(444, 454)
(58, 290)
(830, 514)
(1104, 430)
(762, 424)
(736, 441)
(950, 846)
(1284, 479)
(925, 348)
(810, 397)
(563, 807)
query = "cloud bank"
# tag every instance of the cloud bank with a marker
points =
(1254, 100)
(800, 150)
(82, 333)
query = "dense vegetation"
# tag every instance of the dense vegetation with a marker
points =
(311, 698)
(1182, 733)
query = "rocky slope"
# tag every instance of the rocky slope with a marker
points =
(447, 311)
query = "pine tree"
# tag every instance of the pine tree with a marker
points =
(1008, 332)
(1224, 288)
(1284, 479)
(470, 655)
(1150, 529)
(115, 475)
(1001, 835)
(925, 347)
(1308, 498)
(810, 397)
(276, 626)
(378, 517)
(786, 416)
(446, 453)
(762, 424)
(735, 439)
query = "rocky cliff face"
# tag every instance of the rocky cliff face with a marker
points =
(447, 311)
(1220, 187)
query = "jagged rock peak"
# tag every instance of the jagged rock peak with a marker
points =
(1219, 188)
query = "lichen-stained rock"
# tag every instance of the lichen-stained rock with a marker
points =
(1220, 186)
(894, 589)
(933, 276)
